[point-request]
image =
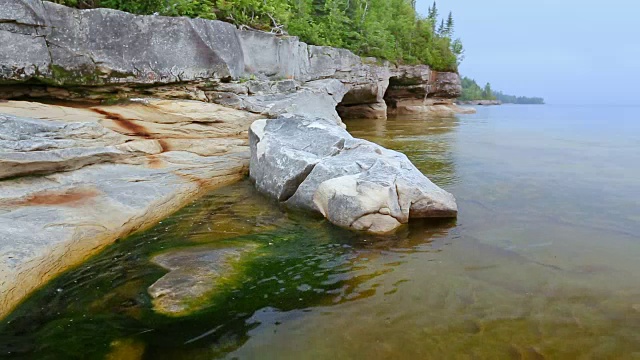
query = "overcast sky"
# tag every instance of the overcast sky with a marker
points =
(567, 51)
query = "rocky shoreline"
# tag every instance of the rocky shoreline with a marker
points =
(156, 110)
(480, 102)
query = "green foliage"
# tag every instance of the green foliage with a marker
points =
(472, 91)
(136, 7)
(511, 99)
(201, 8)
(387, 29)
(448, 27)
(487, 93)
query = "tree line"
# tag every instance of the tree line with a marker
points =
(386, 29)
(472, 91)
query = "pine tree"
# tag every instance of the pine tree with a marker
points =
(487, 93)
(441, 29)
(433, 12)
(432, 16)
(449, 26)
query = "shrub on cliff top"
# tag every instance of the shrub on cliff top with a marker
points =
(387, 29)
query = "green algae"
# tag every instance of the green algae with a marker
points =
(86, 76)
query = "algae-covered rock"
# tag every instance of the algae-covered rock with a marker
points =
(194, 274)
(126, 349)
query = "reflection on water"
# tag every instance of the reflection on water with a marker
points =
(541, 262)
(428, 144)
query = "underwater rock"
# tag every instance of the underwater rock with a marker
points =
(194, 273)
(314, 164)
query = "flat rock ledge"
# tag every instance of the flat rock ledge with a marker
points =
(314, 164)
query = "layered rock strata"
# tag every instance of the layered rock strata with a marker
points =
(49, 50)
(313, 164)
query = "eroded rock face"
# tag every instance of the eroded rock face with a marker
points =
(312, 164)
(445, 85)
(49, 50)
(100, 46)
(418, 90)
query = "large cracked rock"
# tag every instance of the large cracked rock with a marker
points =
(313, 164)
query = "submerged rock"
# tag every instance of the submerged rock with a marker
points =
(314, 164)
(194, 274)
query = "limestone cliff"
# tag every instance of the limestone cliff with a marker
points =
(49, 50)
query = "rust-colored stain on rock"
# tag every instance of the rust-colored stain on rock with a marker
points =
(127, 124)
(154, 162)
(70, 197)
(198, 180)
(164, 145)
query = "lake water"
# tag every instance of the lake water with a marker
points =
(542, 262)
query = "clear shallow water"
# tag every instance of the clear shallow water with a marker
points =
(542, 261)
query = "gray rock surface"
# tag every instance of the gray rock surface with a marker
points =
(35, 147)
(316, 98)
(445, 85)
(313, 164)
(100, 46)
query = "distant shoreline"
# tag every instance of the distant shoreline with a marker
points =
(480, 102)
(492, 103)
